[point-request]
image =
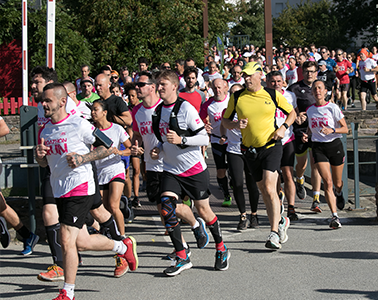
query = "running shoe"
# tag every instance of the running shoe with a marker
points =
(353, 106)
(5, 236)
(188, 203)
(281, 196)
(136, 202)
(227, 201)
(254, 221)
(315, 204)
(63, 296)
(335, 223)
(54, 273)
(243, 222)
(283, 226)
(200, 234)
(221, 260)
(349, 101)
(121, 266)
(301, 191)
(178, 265)
(273, 241)
(29, 244)
(173, 255)
(340, 201)
(131, 253)
(292, 215)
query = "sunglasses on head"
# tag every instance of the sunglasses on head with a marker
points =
(142, 84)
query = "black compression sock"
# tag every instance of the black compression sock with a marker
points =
(24, 232)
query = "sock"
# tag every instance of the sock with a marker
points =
(175, 235)
(214, 227)
(291, 206)
(70, 289)
(335, 215)
(119, 247)
(195, 225)
(24, 232)
(315, 193)
(185, 245)
(338, 193)
(53, 239)
(111, 228)
(223, 183)
(220, 246)
(300, 178)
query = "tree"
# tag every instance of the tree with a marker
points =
(250, 21)
(308, 23)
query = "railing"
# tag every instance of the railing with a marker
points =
(13, 105)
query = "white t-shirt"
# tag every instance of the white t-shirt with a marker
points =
(281, 117)
(142, 123)
(292, 76)
(200, 80)
(112, 165)
(213, 76)
(231, 82)
(283, 72)
(72, 134)
(234, 138)
(84, 110)
(369, 64)
(328, 115)
(214, 109)
(71, 109)
(182, 162)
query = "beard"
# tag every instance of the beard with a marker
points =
(51, 111)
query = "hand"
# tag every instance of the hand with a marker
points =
(173, 138)
(305, 138)
(222, 140)
(279, 134)
(41, 149)
(243, 123)
(74, 160)
(154, 153)
(208, 128)
(301, 118)
(326, 130)
(135, 150)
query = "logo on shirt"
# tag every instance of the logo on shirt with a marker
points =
(198, 121)
(75, 219)
(63, 133)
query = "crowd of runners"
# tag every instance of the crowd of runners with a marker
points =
(162, 120)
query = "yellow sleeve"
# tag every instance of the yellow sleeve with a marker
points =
(283, 104)
(230, 107)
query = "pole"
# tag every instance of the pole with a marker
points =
(25, 53)
(268, 31)
(205, 30)
(50, 34)
(356, 165)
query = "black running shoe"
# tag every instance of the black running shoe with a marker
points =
(221, 260)
(178, 265)
(172, 256)
(292, 215)
(301, 191)
(335, 223)
(254, 221)
(340, 201)
(136, 202)
(200, 234)
(243, 223)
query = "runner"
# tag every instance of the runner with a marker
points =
(326, 124)
(74, 196)
(366, 68)
(185, 171)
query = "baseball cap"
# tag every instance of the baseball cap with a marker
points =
(322, 62)
(252, 68)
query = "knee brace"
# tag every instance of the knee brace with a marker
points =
(168, 211)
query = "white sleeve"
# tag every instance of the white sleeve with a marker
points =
(86, 131)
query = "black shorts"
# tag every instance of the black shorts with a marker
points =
(288, 155)
(344, 87)
(46, 189)
(369, 85)
(332, 152)
(73, 210)
(266, 159)
(219, 154)
(196, 186)
(153, 186)
(105, 187)
(300, 147)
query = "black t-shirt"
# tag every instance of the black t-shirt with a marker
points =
(304, 100)
(328, 77)
(116, 106)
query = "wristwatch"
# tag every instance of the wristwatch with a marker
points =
(285, 125)
(183, 140)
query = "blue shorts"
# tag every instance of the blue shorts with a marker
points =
(125, 159)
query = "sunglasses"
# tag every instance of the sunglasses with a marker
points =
(166, 67)
(114, 77)
(339, 54)
(142, 84)
(323, 52)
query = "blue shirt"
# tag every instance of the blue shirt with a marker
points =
(330, 64)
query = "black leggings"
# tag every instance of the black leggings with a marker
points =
(236, 165)
(352, 85)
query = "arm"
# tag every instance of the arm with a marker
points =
(40, 153)
(200, 139)
(4, 129)
(240, 124)
(75, 160)
(342, 129)
(136, 141)
(280, 132)
(126, 118)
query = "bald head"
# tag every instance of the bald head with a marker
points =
(69, 87)
(102, 86)
(220, 89)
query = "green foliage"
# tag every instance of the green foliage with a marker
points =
(250, 21)
(308, 23)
